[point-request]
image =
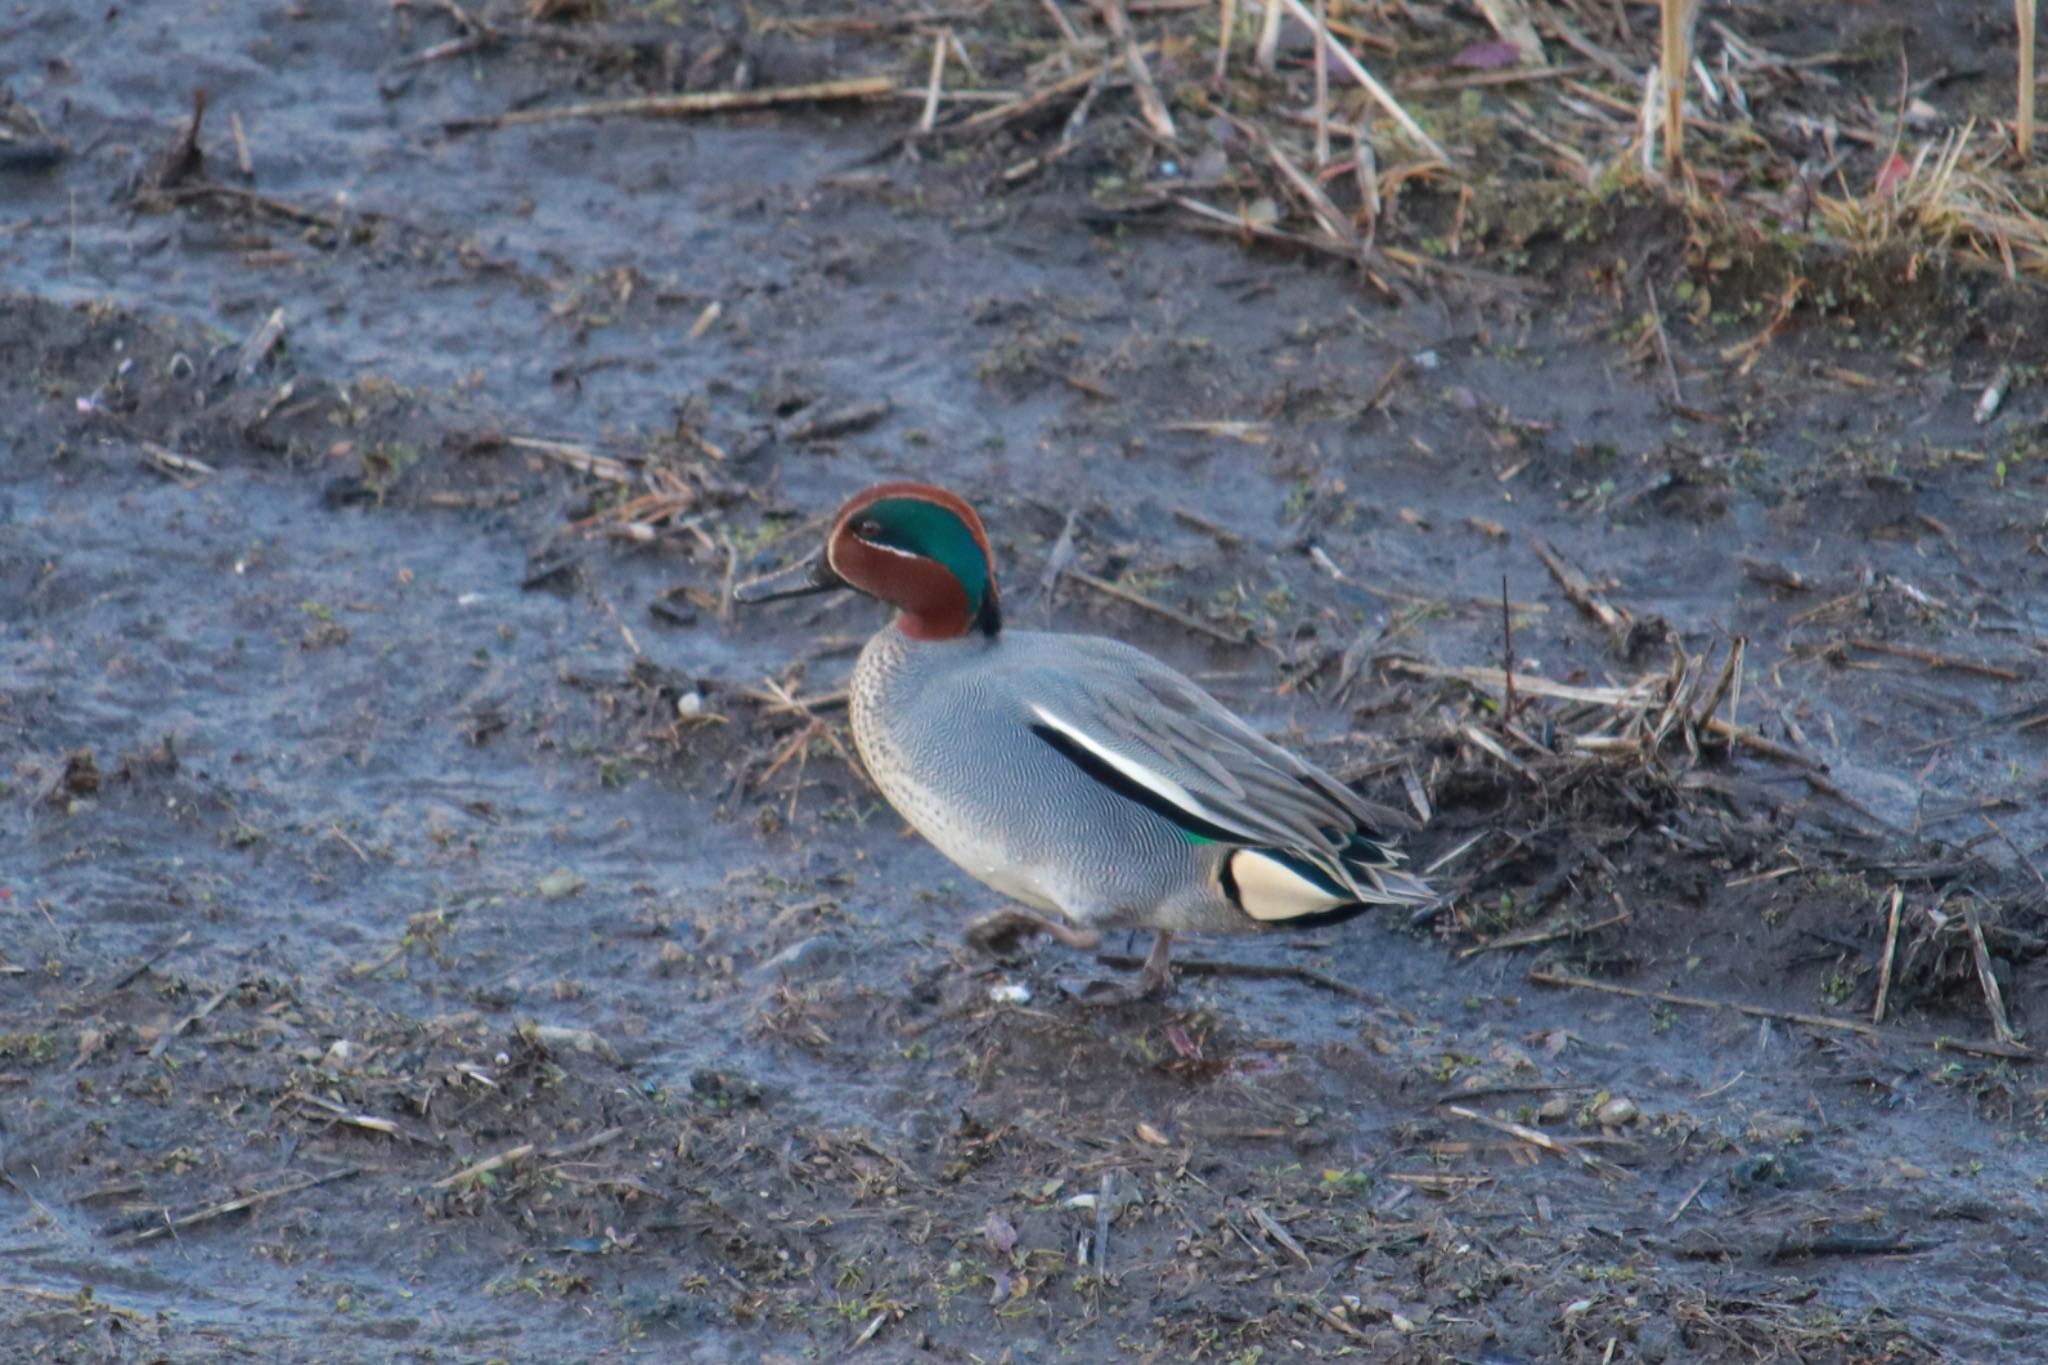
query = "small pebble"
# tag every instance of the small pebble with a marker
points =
(1617, 1113)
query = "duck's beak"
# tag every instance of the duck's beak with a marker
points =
(809, 575)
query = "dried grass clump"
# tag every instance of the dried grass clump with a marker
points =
(1950, 199)
(1333, 107)
(1640, 725)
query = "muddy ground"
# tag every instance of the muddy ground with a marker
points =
(426, 933)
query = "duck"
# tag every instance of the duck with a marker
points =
(1076, 775)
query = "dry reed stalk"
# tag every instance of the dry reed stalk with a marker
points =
(1740, 657)
(1569, 160)
(1747, 353)
(1486, 80)
(1891, 948)
(1675, 58)
(1646, 123)
(1992, 1048)
(183, 468)
(1587, 48)
(511, 1156)
(1031, 104)
(934, 82)
(2025, 131)
(1994, 999)
(1320, 206)
(1640, 695)
(1540, 934)
(703, 102)
(1356, 70)
(1663, 345)
(1367, 174)
(1209, 218)
(1936, 659)
(1728, 686)
(1536, 1137)
(1180, 618)
(582, 459)
(169, 1226)
(1226, 29)
(1322, 84)
(1068, 34)
(1582, 593)
(1118, 20)
(1266, 56)
(242, 162)
(1492, 747)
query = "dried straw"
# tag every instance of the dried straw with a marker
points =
(1675, 57)
(1356, 70)
(1266, 56)
(1226, 29)
(2025, 131)
(935, 82)
(1322, 84)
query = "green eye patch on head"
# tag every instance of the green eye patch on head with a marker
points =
(938, 533)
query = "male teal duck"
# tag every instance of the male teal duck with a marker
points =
(1075, 774)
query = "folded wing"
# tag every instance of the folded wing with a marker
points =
(1304, 843)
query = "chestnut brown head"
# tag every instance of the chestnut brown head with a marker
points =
(915, 546)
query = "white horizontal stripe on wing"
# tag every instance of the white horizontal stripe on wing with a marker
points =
(1151, 779)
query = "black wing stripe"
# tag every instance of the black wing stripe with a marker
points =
(1226, 882)
(1134, 791)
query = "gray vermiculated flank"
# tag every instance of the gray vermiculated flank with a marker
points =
(945, 728)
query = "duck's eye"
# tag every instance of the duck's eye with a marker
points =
(867, 528)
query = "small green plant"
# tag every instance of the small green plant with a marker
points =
(1838, 987)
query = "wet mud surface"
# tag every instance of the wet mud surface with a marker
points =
(431, 927)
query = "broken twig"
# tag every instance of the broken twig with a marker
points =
(1891, 946)
(684, 106)
(1999, 1048)
(170, 1225)
(1173, 614)
(1118, 21)
(1256, 971)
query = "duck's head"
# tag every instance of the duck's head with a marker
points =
(916, 547)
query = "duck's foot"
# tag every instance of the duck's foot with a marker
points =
(1000, 932)
(1155, 978)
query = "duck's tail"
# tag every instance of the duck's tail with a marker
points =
(1277, 886)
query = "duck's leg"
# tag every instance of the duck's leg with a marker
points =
(1154, 979)
(999, 930)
